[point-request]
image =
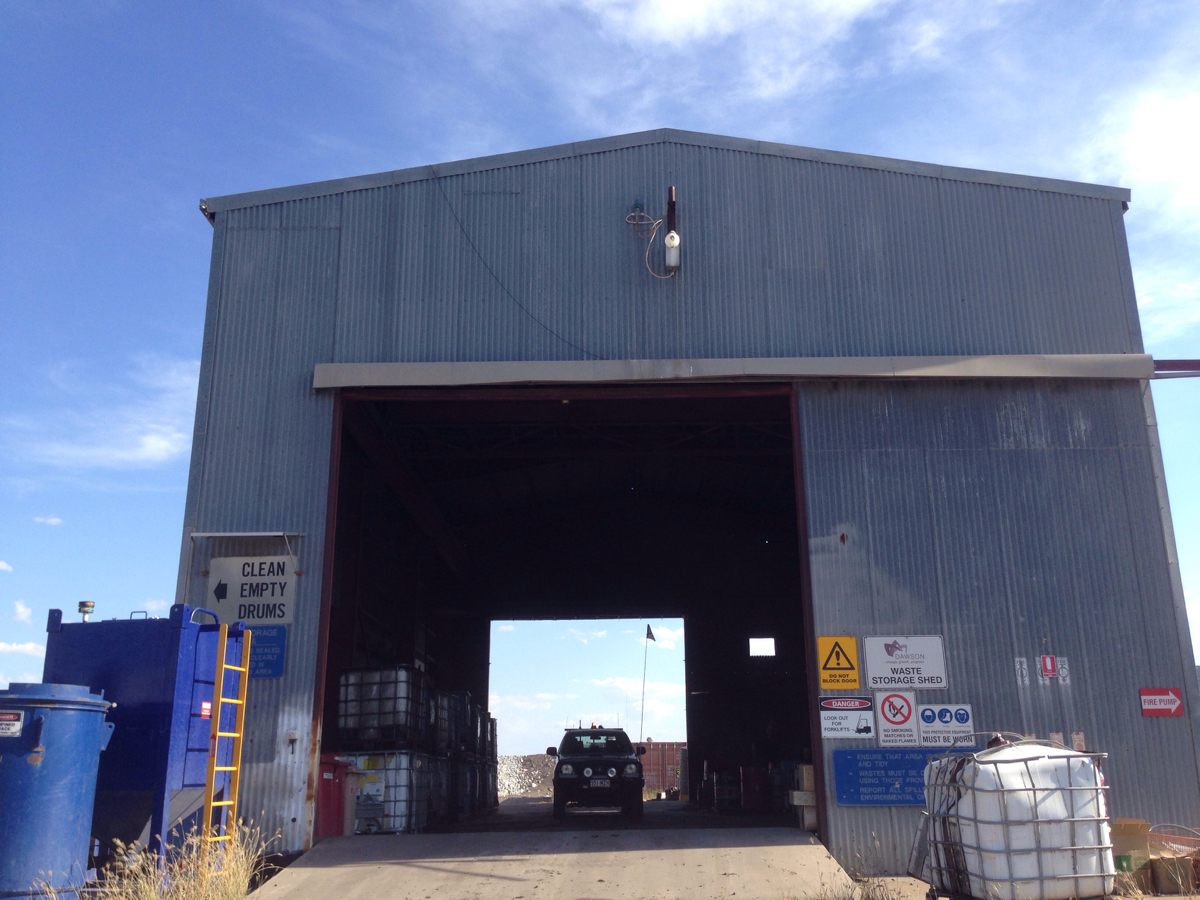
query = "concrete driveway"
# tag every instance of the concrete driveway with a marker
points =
(581, 859)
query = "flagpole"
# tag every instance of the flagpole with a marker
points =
(645, 656)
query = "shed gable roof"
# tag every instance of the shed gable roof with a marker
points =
(214, 205)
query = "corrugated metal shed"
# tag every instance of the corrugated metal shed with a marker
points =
(527, 258)
(1002, 515)
(1016, 520)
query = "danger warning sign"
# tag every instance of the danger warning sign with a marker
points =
(839, 662)
(896, 719)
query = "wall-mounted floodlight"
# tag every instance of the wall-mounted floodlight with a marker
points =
(646, 226)
(671, 241)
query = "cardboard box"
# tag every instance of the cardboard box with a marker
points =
(1131, 856)
(1173, 874)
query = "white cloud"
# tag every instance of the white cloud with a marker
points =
(664, 699)
(23, 678)
(506, 628)
(5, 567)
(29, 648)
(584, 636)
(142, 424)
(498, 703)
(157, 605)
(48, 520)
(1148, 142)
(1159, 149)
(614, 66)
(664, 638)
(23, 613)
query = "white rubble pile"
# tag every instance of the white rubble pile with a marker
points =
(525, 776)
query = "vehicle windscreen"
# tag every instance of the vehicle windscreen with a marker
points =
(596, 742)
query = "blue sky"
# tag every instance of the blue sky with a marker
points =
(546, 675)
(117, 117)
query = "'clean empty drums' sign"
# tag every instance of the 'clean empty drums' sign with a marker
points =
(258, 590)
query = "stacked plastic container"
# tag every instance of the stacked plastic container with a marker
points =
(394, 791)
(427, 757)
(385, 708)
(466, 738)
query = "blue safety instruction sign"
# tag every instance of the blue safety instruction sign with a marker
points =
(881, 777)
(268, 647)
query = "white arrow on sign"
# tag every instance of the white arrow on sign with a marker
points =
(1161, 701)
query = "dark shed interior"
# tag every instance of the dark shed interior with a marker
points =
(457, 508)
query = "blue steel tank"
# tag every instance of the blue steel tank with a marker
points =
(159, 675)
(51, 736)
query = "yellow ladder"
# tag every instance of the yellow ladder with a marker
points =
(208, 833)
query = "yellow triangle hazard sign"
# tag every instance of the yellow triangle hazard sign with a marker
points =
(839, 662)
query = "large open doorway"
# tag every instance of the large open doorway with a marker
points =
(455, 508)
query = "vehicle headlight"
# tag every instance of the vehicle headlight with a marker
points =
(566, 769)
(631, 769)
(587, 773)
(612, 773)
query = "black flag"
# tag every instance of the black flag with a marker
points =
(650, 634)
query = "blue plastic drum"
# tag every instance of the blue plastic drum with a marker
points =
(51, 736)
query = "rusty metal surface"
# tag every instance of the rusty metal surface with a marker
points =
(660, 764)
(1016, 520)
(785, 253)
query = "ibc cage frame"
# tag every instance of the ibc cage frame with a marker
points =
(943, 855)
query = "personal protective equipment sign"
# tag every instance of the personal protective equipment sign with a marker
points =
(941, 724)
(896, 719)
(847, 717)
(839, 663)
(912, 662)
(257, 590)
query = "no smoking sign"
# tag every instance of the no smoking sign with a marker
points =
(896, 709)
(896, 720)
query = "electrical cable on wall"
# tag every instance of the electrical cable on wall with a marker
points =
(438, 181)
(646, 226)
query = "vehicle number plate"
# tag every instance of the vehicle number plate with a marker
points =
(600, 782)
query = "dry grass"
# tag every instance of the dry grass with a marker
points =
(227, 871)
(874, 889)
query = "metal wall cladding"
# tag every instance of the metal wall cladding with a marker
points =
(781, 257)
(530, 258)
(260, 461)
(1017, 520)
(660, 763)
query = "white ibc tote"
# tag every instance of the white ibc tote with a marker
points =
(1022, 821)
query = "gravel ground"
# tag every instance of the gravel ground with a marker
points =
(525, 776)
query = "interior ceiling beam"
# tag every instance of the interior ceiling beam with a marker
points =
(408, 487)
(419, 442)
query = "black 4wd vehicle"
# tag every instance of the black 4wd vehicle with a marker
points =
(597, 767)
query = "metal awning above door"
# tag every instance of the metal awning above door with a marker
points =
(329, 376)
